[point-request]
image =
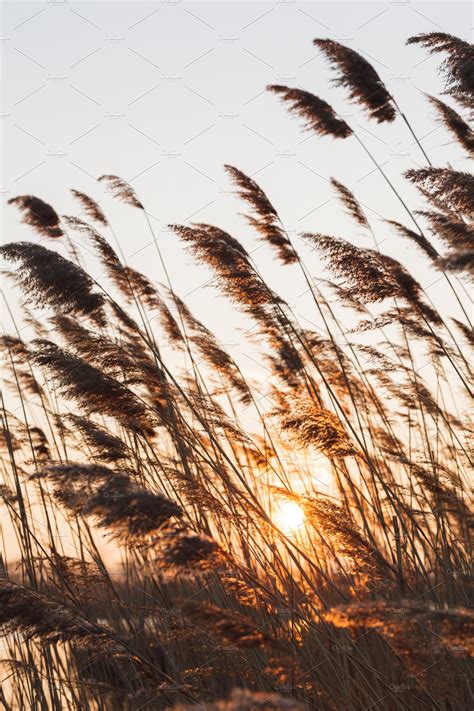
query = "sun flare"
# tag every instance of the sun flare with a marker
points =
(289, 517)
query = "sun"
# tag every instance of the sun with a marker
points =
(289, 517)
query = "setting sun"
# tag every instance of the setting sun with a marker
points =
(290, 517)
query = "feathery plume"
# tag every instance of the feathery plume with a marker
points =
(18, 356)
(266, 221)
(145, 290)
(445, 498)
(312, 425)
(221, 362)
(76, 577)
(38, 616)
(131, 512)
(452, 188)
(337, 526)
(125, 362)
(95, 391)
(379, 322)
(226, 256)
(90, 207)
(405, 624)
(104, 444)
(361, 269)
(50, 279)
(185, 551)
(467, 332)
(149, 295)
(345, 297)
(211, 351)
(318, 115)
(459, 261)
(418, 239)
(455, 123)
(229, 626)
(370, 275)
(458, 67)
(358, 75)
(114, 268)
(350, 202)
(454, 233)
(39, 215)
(121, 190)
(39, 443)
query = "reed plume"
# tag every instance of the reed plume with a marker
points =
(103, 443)
(266, 220)
(114, 268)
(230, 261)
(229, 626)
(311, 425)
(48, 278)
(37, 616)
(350, 202)
(454, 233)
(40, 617)
(358, 75)
(419, 239)
(318, 115)
(451, 188)
(221, 362)
(458, 65)
(122, 190)
(129, 511)
(360, 268)
(90, 207)
(417, 633)
(454, 123)
(371, 276)
(185, 551)
(335, 525)
(94, 391)
(38, 215)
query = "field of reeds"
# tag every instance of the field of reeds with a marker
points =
(166, 541)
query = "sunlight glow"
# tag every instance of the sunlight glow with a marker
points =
(289, 517)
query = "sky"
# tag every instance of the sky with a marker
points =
(164, 94)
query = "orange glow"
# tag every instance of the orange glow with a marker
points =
(289, 517)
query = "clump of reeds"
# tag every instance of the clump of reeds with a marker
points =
(143, 470)
(425, 639)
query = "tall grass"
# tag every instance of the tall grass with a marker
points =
(228, 579)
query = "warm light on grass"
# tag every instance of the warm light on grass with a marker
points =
(289, 517)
